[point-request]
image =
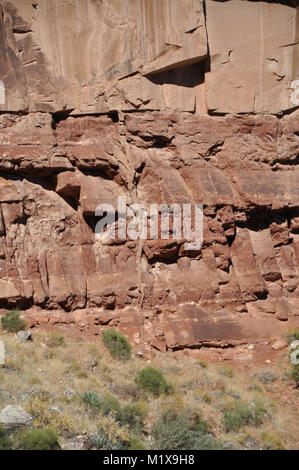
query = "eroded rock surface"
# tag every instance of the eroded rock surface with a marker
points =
(92, 56)
(194, 111)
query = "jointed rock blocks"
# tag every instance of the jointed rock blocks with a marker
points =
(160, 102)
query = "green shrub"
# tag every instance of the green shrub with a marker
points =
(92, 400)
(110, 405)
(180, 432)
(241, 413)
(5, 441)
(117, 344)
(54, 340)
(12, 322)
(295, 372)
(103, 442)
(38, 439)
(106, 404)
(152, 380)
(133, 413)
(136, 444)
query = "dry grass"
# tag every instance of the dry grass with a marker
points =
(64, 371)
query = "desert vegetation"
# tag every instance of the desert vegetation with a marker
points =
(87, 395)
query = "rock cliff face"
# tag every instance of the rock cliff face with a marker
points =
(160, 101)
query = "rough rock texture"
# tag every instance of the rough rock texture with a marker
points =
(92, 56)
(195, 111)
(14, 416)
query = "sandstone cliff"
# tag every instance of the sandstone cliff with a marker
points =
(174, 101)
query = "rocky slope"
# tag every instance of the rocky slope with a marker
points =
(162, 102)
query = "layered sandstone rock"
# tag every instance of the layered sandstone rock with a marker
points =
(242, 168)
(92, 56)
(159, 71)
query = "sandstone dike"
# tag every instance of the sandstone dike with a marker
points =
(160, 101)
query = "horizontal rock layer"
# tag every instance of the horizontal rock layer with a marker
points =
(161, 102)
(244, 171)
(90, 56)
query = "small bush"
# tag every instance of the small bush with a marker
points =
(180, 432)
(39, 407)
(133, 413)
(295, 373)
(54, 340)
(265, 376)
(102, 442)
(272, 441)
(12, 322)
(136, 444)
(203, 363)
(207, 398)
(110, 405)
(105, 405)
(227, 371)
(152, 380)
(117, 344)
(128, 391)
(75, 369)
(5, 441)
(241, 413)
(38, 439)
(92, 400)
(110, 435)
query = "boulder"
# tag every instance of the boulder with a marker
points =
(14, 416)
(24, 336)
(279, 344)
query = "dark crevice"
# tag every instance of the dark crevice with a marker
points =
(295, 161)
(101, 173)
(205, 344)
(71, 199)
(205, 17)
(158, 141)
(20, 302)
(113, 116)
(60, 116)
(188, 76)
